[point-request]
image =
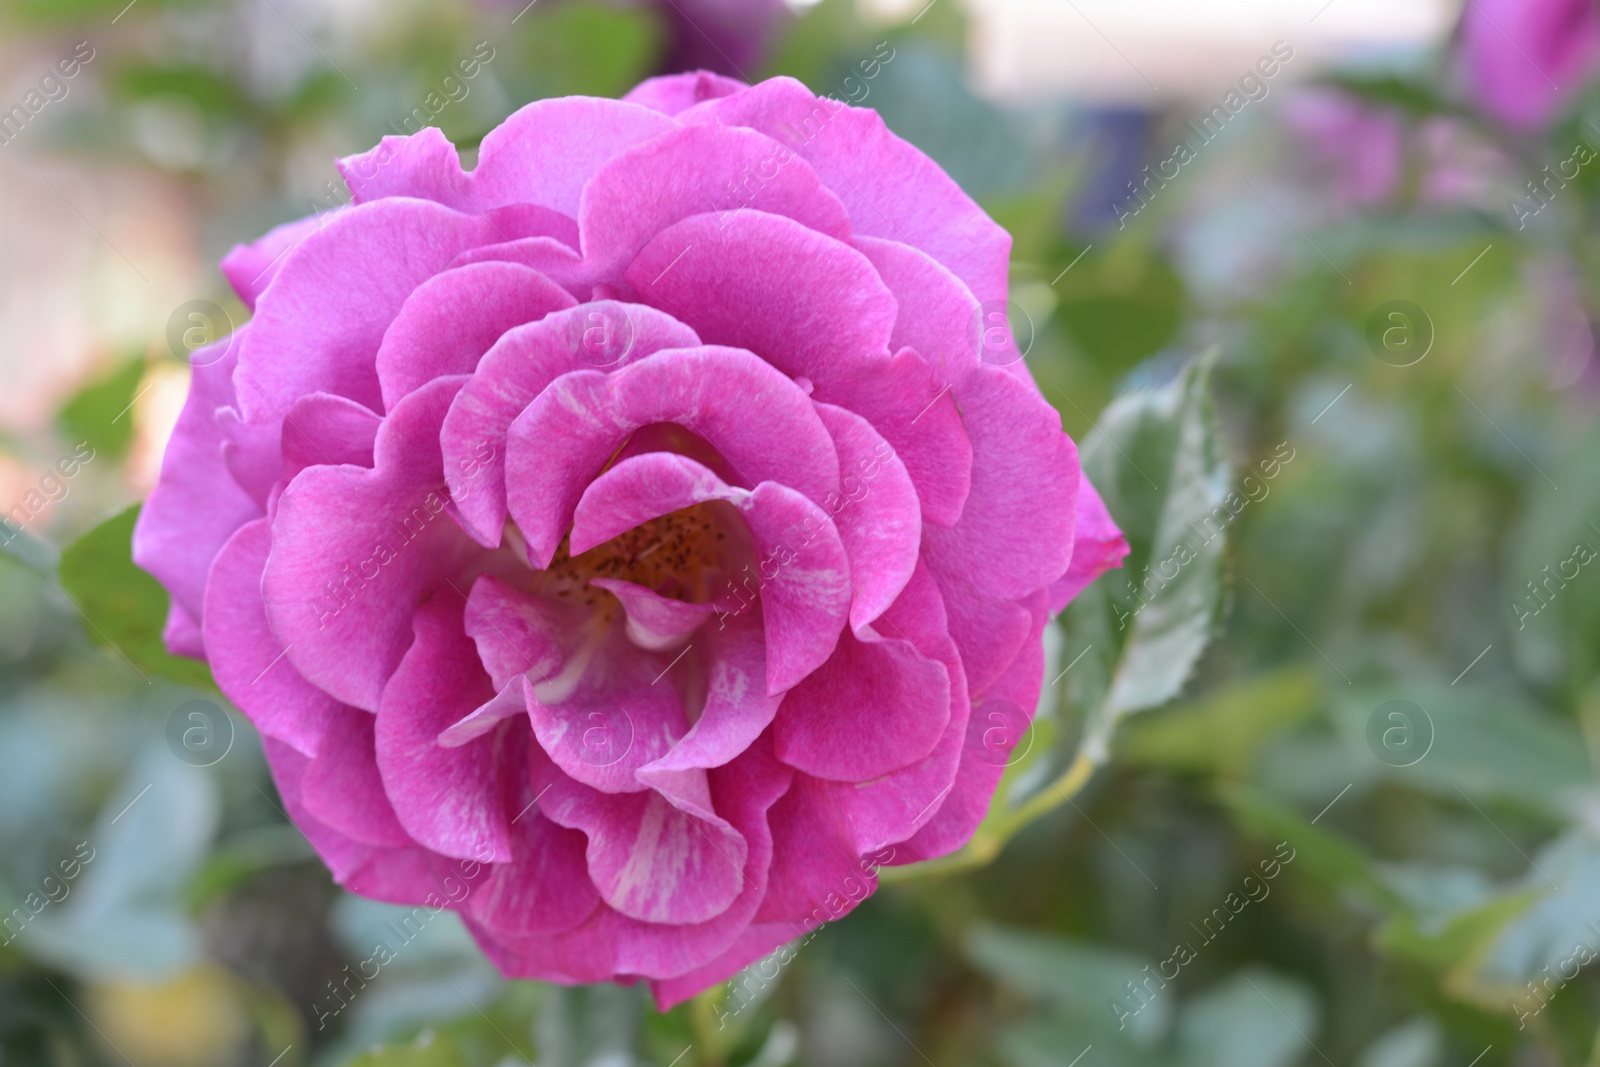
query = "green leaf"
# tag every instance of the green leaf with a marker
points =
(123, 606)
(1074, 977)
(1157, 460)
(99, 413)
(1223, 734)
(1486, 744)
(1553, 567)
(1255, 1017)
(125, 916)
(1321, 857)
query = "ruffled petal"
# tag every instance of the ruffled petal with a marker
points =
(742, 792)
(938, 314)
(655, 623)
(545, 889)
(891, 189)
(342, 789)
(736, 709)
(673, 93)
(982, 763)
(546, 152)
(250, 268)
(327, 430)
(247, 658)
(320, 325)
(875, 706)
(808, 304)
(916, 412)
(600, 335)
(424, 165)
(892, 808)
(650, 860)
(817, 875)
(452, 800)
(351, 546)
(431, 337)
(802, 577)
(692, 171)
(196, 505)
(710, 391)
(1015, 532)
(876, 512)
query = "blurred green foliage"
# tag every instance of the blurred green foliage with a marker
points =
(1431, 904)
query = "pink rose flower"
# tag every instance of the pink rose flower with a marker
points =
(628, 543)
(1525, 58)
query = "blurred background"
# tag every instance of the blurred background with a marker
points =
(1312, 282)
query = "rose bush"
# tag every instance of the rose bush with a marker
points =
(628, 542)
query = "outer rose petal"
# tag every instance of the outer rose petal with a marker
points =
(691, 171)
(321, 323)
(250, 268)
(873, 707)
(1024, 491)
(968, 802)
(548, 151)
(544, 889)
(1097, 546)
(341, 787)
(891, 189)
(892, 808)
(196, 506)
(246, 654)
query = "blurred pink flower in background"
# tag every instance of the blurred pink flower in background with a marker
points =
(1524, 59)
(1358, 151)
(1357, 148)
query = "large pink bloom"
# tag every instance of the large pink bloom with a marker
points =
(1525, 58)
(630, 542)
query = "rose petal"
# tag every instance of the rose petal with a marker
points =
(248, 662)
(891, 189)
(431, 338)
(450, 799)
(691, 171)
(808, 304)
(196, 505)
(675, 92)
(350, 544)
(877, 514)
